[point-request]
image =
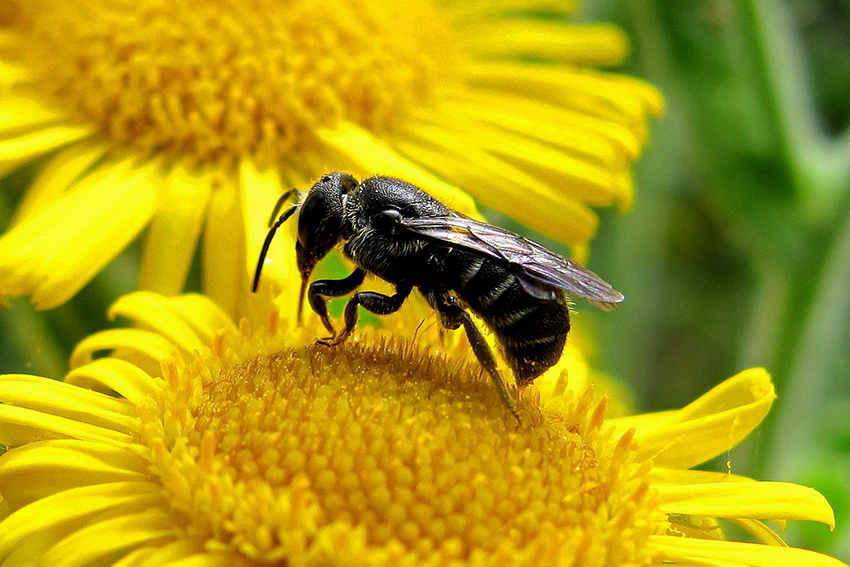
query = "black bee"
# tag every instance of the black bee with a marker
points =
(401, 234)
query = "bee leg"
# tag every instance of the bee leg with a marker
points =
(320, 289)
(377, 303)
(485, 357)
(452, 316)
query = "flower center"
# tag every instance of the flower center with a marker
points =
(379, 449)
(225, 78)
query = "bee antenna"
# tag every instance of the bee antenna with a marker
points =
(282, 219)
(283, 198)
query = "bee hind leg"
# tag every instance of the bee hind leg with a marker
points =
(453, 316)
(485, 356)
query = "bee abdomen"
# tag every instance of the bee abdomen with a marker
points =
(531, 331)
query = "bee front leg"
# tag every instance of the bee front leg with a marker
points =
(320, 289)
(376, 303)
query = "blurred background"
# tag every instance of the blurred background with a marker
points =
(736, 252)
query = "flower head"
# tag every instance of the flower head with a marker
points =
(225, 446)
(183, 116)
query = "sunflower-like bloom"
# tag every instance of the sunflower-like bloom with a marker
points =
(231, 447)
(195, 115)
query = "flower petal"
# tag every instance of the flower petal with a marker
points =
(152, 312)
(173, 232)
(202, 314)
(593, 44)
(42, 468)
(714, 423)
(754, 500)
(120, 376)
(225, 276)
(23, 425)
(113, 536)
(371, 154)
(150, 345)
(499, 184)
(64, 400)
(617, 99)
(61, 248)
(262, 191)
(23, 148)
(692, 551)
(63, 170)
(74, 506)
(759, 530)
(20, 114)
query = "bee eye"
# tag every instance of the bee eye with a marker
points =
(313, 213)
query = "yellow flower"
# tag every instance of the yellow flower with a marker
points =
(183, 116)
(227, 447)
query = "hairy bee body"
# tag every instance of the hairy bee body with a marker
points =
(399, 233)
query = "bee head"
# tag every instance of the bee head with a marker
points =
(320, 220)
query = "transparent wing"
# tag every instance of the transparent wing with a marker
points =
(540, 268)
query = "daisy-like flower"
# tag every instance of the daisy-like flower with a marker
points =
(195, 115)
(231, 447)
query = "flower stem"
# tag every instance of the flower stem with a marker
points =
(810, 381)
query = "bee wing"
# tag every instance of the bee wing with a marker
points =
(541, 269)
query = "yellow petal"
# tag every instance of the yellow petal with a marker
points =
(152, 345)
(661, 476)
(173, 232)
(23, 425)
(373, 156)
(620, 100)
(57, 398)
(12, 75)
(43, 468)
(594, 44)
(150, 311)
(21, 149)
(60, 249)
(225, 276)
(475, 10)
(202, 314)
(63, 170)
(714, 423)
(262, 191)
(754, 500)
(500, 185)
(97, 542)
(120, 376)
(73, 506)
(759, 530)
(176, 554)
(692, 551)
(19, 115)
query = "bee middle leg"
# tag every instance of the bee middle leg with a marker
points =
(377, 303)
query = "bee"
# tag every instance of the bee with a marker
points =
(399, 233)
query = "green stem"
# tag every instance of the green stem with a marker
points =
(811, 375)
(819, 167)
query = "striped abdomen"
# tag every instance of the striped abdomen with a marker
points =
(531, 332)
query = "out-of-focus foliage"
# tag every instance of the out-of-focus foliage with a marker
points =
(737, 251)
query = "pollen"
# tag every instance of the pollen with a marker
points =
(375, 447)
(222, 79)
